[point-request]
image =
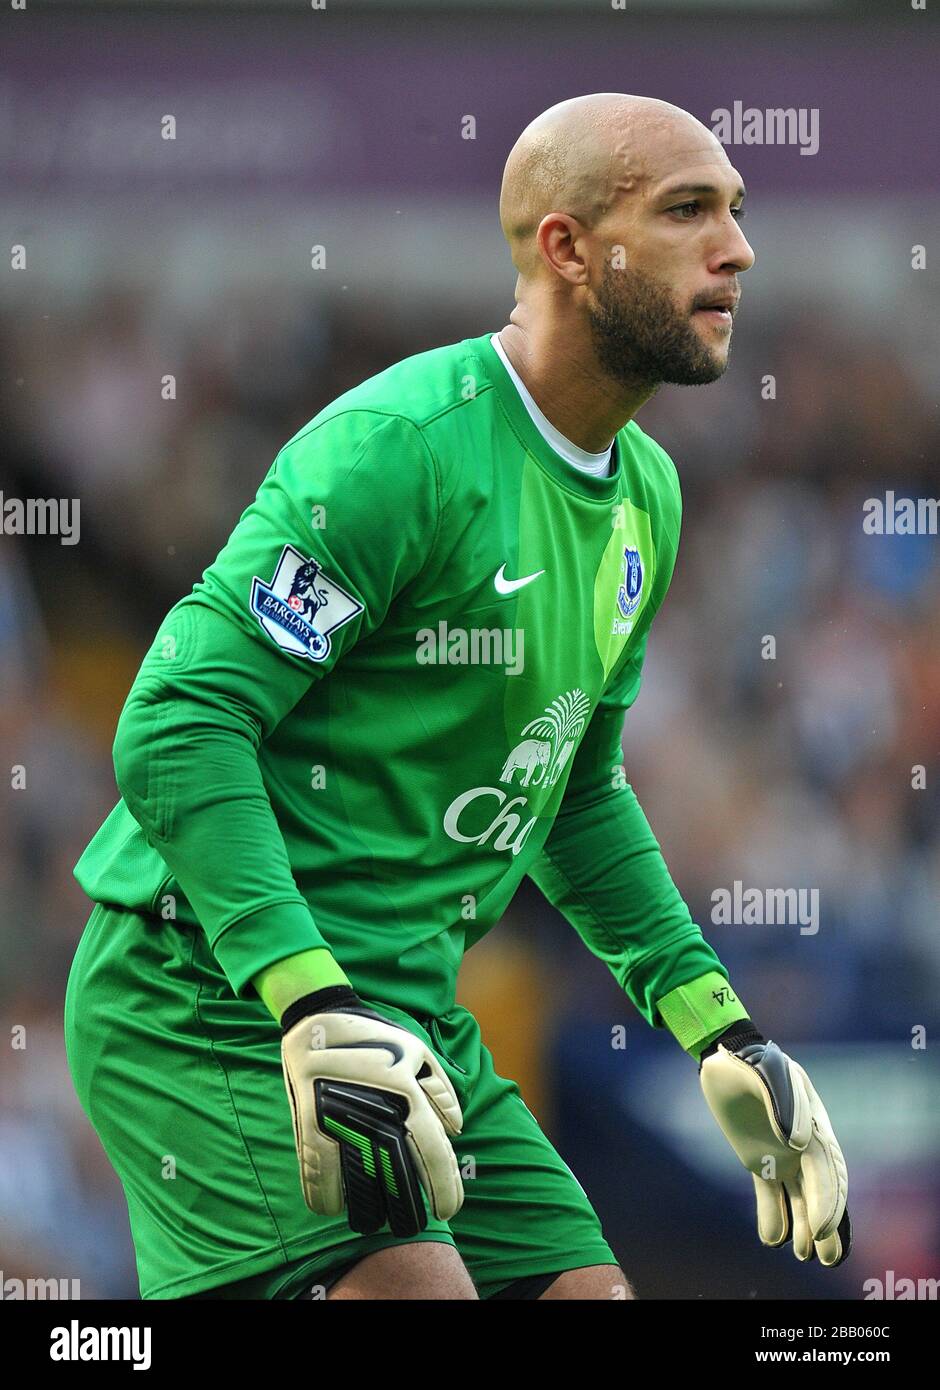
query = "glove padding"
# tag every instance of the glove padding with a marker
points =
(767, 1108)
(372, 1110)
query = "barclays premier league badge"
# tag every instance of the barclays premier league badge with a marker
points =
(301, 606)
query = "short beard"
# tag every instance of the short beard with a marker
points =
(642, 339)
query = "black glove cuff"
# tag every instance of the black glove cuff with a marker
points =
(742, 1033)
(332, 997)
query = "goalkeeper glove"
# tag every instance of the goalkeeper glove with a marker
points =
(372, 1110)
(772, 1117)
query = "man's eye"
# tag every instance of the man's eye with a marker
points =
(686, 211)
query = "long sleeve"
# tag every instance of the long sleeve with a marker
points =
(601, 865)
(276, 611)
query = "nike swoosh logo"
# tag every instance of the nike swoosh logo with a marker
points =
(509, 586)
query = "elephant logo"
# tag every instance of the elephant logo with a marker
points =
(528, 756)
(558, 767)
(543, 757)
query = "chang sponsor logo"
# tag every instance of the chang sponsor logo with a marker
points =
(491, 817)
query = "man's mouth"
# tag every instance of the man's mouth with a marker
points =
(721, 309)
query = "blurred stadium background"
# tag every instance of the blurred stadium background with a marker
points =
(191, 257)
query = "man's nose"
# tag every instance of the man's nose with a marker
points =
(738, 251)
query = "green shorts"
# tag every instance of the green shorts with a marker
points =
(182, 1081)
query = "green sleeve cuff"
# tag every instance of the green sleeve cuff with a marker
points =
(254, 942)
(698, 1012)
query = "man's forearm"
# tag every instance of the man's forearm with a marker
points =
(701, 1011)
(186, 763)
(287, 980)
(601, 866)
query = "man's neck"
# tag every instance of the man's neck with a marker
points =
(569, 387)
(598, 464)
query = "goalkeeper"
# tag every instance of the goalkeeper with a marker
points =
(333, 779)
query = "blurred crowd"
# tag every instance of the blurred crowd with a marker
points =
(788, 762)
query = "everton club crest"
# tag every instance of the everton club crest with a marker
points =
(631, 590)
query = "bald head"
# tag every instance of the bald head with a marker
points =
(581, 156)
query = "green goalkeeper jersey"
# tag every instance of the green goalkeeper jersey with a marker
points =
(399, 688)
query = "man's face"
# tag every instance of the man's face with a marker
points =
(667, 316)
